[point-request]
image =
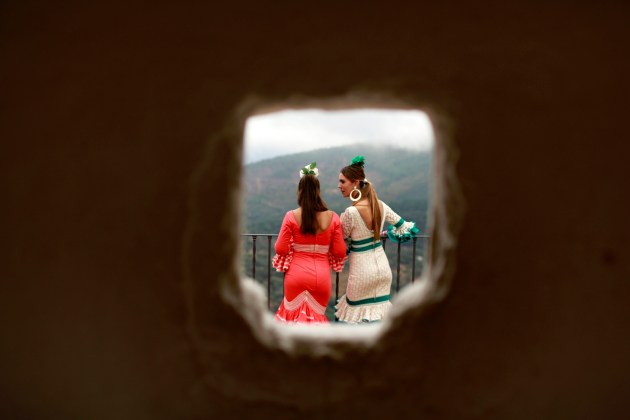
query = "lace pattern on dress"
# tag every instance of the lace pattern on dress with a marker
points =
(304, 297)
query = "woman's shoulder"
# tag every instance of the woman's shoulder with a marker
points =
(290, 216)
(330, 219)
(349, 211)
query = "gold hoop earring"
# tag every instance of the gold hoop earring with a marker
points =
(357, 190)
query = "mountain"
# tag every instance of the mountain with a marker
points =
(401, 179)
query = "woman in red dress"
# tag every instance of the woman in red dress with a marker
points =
(310, 242)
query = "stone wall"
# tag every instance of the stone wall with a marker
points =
(121, 128)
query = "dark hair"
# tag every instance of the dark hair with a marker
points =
(311, 202)
(354, 173)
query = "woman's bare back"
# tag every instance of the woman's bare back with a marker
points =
(324, 218)
(365, 212)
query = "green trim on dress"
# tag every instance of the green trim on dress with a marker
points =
(378, 299)
(362, 241)
(365, 248)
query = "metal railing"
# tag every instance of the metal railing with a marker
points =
(268, 237)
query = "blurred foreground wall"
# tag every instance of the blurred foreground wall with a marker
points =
(121, 129)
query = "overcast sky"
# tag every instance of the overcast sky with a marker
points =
(293, 131)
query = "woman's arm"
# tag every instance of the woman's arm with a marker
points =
(284, 237)
(337, 244)
(390, 215)
(346, 223)
(337, 254)
(399, 230)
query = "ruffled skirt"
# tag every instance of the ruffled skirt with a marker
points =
(304, 309)
(370, 312)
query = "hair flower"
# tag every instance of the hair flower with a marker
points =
(310, 169)
(358, 160)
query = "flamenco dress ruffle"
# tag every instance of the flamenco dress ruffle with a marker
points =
(363, 313)
(304, 309)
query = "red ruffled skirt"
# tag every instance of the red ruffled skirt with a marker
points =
(304, 309)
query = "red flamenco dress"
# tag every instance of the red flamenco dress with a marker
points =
(307, 261)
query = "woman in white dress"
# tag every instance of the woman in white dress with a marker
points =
(369, 283)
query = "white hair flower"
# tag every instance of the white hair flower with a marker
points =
(310, 169)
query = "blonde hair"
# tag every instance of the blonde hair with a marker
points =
(354, 173)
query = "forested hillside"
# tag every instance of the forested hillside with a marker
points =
(401, 178)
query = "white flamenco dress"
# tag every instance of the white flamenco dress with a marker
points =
(370, 279)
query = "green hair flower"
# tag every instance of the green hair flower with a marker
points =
(358, 160)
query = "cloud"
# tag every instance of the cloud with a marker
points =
(293, 131)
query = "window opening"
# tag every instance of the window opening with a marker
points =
(397, 145)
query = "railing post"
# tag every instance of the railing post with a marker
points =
(398, 270)
(413, 261)
(269, 271)
(336, 287)
(254, 257)
(384, 238)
